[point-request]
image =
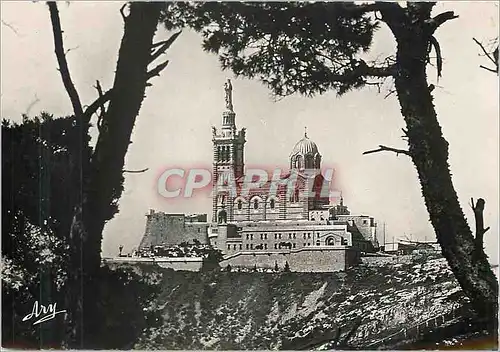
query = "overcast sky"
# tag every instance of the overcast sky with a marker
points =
(174, 125)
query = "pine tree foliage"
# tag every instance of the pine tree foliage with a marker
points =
(37, 207)
(309, 48)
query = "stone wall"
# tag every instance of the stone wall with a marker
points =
(365, 224)
(171, 229)
(185, 264)
(178, 264)
(301, 260)
(385, 260)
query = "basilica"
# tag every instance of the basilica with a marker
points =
(296, 225)
(293, 225)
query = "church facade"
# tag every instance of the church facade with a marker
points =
(288, 220)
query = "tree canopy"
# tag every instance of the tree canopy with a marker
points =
(302, 47)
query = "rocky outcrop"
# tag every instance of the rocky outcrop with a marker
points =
(235, 310)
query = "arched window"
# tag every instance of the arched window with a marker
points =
(296, 196)
(256, 204)
(309, 162)
(330, 241)
(222, 218)
(271, 203)
(299, 164)
(240, 204)
(318, 162)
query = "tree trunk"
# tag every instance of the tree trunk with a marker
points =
(106, 174)
(429, 152)
(103, 186)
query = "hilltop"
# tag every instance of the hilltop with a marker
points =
(236, 310)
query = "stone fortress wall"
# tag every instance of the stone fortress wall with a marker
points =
(172, 229)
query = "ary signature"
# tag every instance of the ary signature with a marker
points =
(42, 313)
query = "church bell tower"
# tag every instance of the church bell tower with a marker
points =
(228, 160)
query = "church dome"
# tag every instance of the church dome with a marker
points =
(305, 155)
(305, 147)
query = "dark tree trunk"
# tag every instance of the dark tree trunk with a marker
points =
(105, 176)
(429, 152)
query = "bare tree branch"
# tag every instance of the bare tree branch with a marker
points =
(488, 69)
(490, 56)
(439, 58)
(156, 71)
(377, 71)
(164, 45)
(33, 103)
(99, 102)
(383, 148)
(136, 171)
(100, 116)
(361, 70)
(392, 91)
(405, 134)
(438, 20)
(11, 27)
(61, 59)
(478, 209)
(67, 51)
(122, 11)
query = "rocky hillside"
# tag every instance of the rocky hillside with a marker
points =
(234, 310)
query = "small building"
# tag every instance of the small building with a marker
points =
(403, 247)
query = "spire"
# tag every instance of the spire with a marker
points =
(305, 132)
